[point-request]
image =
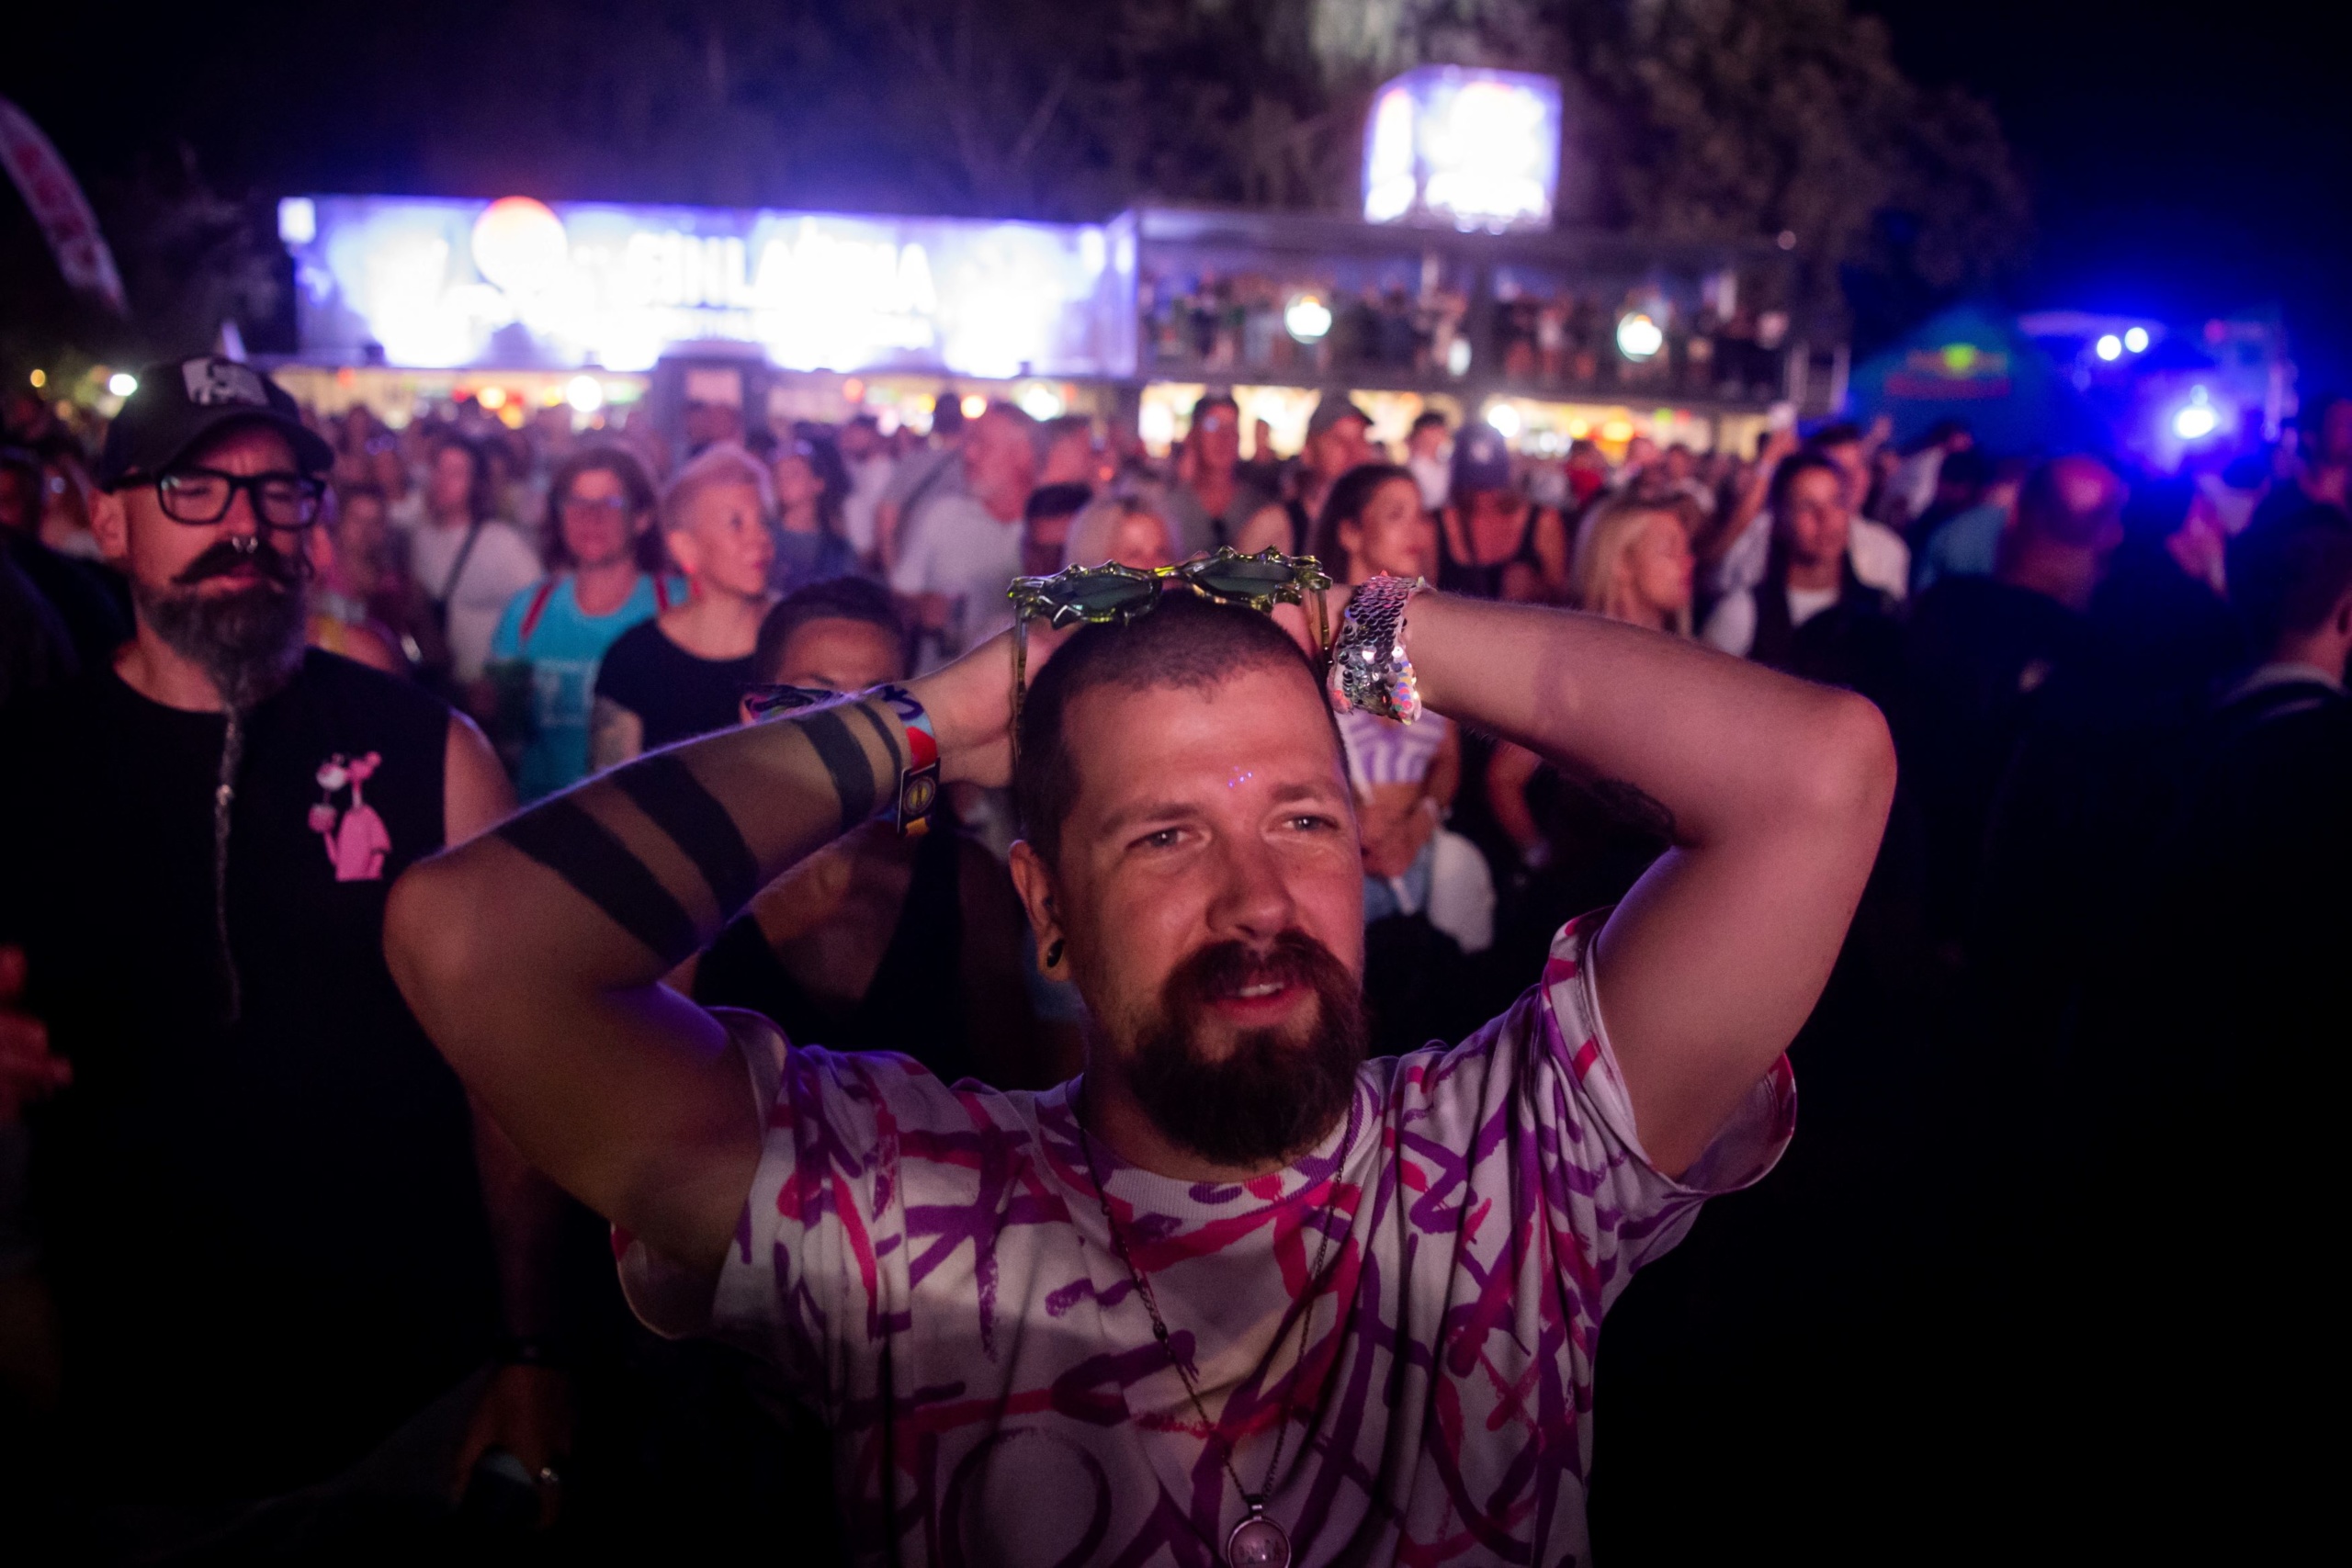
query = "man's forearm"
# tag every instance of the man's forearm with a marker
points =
(1778, 791)
(532, 955)
(1717, 742)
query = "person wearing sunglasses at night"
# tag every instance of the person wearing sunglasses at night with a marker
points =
(271, 1224)
(1235, 1293)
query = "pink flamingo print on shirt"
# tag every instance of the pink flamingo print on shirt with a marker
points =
(356, 841)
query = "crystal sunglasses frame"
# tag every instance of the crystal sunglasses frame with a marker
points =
(1054, 600)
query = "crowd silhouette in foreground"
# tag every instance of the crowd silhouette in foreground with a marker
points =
(2038, 1273)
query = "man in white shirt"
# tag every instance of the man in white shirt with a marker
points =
(1237, 1294)
(1427, 460)
(467, 560)
(870, 466)
(1812, 527)
(958, 552)
(1881, 557)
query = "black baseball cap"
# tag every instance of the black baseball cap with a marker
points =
(182, 402)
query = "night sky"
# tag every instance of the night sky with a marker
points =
(2184, 161)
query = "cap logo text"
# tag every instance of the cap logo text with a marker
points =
(215, 383)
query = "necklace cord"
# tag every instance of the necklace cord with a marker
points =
(1254, 1502)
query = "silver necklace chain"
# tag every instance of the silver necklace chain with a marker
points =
(1254, 1502)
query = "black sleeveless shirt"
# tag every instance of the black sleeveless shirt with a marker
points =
(265, 1233)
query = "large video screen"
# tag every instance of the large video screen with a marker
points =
(518, 284)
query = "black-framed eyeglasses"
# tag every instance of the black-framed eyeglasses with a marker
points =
(200, 497)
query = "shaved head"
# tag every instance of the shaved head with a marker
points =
(2071, 500)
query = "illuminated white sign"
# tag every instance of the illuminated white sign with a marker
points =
(1462, 149)
(517, 284)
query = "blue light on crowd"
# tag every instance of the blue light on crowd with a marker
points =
(2197, 417)
(2111, 346)
(2136, 340)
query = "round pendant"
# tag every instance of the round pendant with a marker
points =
(1257, 1542)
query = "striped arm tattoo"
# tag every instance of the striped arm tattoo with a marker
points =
(566, 838)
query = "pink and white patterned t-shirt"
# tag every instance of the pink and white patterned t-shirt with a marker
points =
(930, 1268)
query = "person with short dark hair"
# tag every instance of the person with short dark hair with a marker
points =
(1211, 502)
(1811, 614)
(1977, 652)
(1338, 437)
(607, 576)
(1741, 554)
(278, 1238)
(1046, 522)
(879, 942)
(1235, 1288)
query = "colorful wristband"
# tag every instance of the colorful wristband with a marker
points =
(919, 779)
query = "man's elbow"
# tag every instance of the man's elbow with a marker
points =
(429, 939)
(1849, 777)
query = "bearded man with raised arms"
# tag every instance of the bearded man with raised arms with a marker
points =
(1235, 1294)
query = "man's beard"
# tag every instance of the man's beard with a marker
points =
(248, 640)
(1278, 1091)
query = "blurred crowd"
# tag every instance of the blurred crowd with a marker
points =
(2098, 946)
(1538, 333)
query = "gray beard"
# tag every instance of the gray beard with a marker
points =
(248, 643)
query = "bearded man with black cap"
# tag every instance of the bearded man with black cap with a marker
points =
(263, 1218)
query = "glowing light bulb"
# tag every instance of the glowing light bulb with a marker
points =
(40, 379)
(1638, 337)
(1041, 402)
(1504, 419)
(2196, 418)
(2109, 346)
(1307, 317)
(2136, 340)
(584, 393)
(974, 405)
(493, 398)
(122, 383)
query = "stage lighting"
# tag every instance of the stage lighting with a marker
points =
(1638, 337)
(2109, 346)
(122, 383)
(1307, 317)
(2196, 418)
(584, 393)
(2136, 340)
(1504, 420)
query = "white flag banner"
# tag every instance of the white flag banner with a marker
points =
(57, 203)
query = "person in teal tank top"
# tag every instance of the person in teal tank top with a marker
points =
(607, 577)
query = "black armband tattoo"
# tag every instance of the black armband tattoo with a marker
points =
(865, 710)
(666, 790)
(844, 759)
(565, 838)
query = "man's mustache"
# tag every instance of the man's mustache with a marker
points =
(225, 555)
